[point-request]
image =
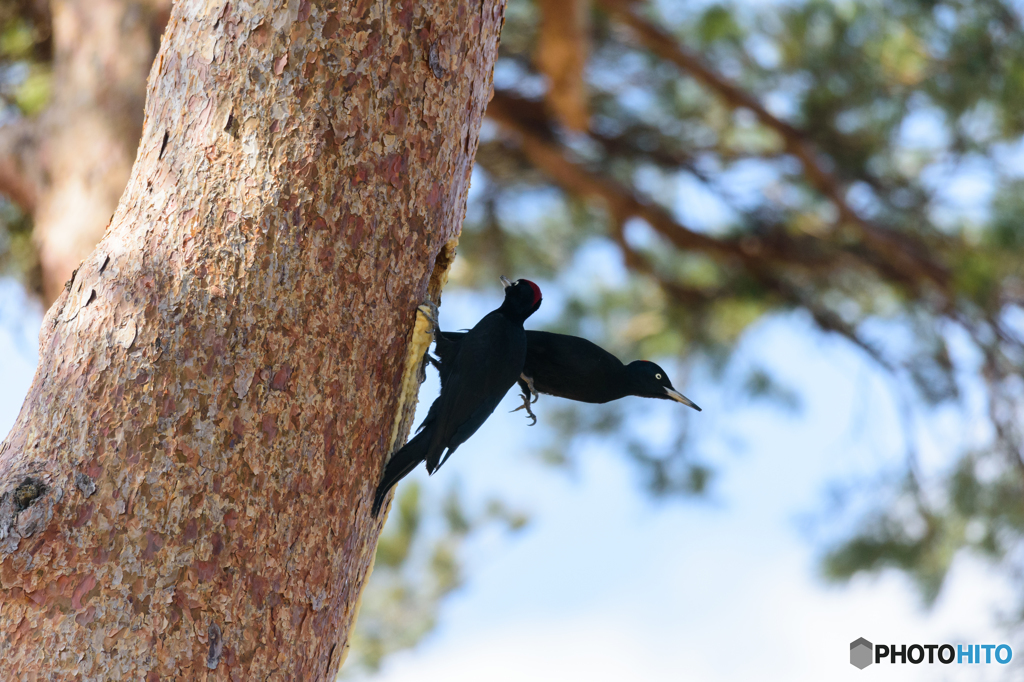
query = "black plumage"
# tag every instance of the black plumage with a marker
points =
(574, 368)
(479, 373)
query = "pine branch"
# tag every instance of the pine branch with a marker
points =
(906, 257)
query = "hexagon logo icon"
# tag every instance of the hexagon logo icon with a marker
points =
(860, 653)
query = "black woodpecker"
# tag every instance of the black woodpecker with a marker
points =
(574, 368)
(488, 362)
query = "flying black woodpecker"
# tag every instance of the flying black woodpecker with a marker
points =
(574, 368)
(488, 362)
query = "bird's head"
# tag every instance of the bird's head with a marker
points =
(652, 381)
(521, 297)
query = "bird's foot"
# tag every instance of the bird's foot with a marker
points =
(424, 333)
(429, 311)
(533, 390)
(526, 406)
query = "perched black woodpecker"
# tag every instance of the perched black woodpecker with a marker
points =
(574, 368)
(488, 362)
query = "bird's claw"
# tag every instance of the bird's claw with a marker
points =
(429, 310)
(526, 406)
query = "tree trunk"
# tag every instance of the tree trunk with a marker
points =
(187, 489)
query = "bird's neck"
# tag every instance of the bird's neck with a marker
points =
(616, 382)
(513, 315)
(632, 382)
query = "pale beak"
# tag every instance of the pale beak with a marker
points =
(680, 398)
(504, 282)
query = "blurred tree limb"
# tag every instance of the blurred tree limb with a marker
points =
(66, 158)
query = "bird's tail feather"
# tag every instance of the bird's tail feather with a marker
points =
(400, 465)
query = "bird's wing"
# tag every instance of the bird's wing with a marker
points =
(431, 416)
(482, 371)
(446, 347)
(468, 428)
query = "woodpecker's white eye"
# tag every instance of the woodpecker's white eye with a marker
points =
(657, 376)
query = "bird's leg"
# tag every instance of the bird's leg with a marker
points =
(523, 379)
(526, 406)
(533, 389)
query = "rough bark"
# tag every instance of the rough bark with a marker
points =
(187, 489)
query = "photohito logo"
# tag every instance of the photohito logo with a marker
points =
(863, 653)
(860, 653)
